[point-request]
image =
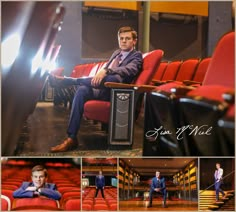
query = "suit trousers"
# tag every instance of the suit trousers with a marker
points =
(97, 189)
(84, 93)
(218, 190)
(163, 192)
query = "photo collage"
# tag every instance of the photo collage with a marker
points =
(118, 106)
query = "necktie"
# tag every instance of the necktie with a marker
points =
(116, 61)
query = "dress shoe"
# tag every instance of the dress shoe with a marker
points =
(165, 206)
(149, 205)
(68, 144)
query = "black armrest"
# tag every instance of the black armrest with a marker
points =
(229, 97)
(158, 82)
(190, 82)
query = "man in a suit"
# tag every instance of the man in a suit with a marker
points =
(100, 183)
(38, 186)
(158, 185)
(218, 180)
(123, 66)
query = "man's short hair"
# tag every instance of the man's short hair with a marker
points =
(39, 168)
(128, 29)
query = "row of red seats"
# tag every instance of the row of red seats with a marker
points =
(181, 71)
(90, 202)
(188, 71)
(205, 111)
(66, 179)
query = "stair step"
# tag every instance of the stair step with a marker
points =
(219, 203)
(213, 207)
(229, 195)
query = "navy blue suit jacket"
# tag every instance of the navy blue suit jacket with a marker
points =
(100, 182)
(129, 68)
(155, 184)
(49, 190)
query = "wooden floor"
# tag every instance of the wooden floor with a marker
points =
(47, 127)
(180, 205)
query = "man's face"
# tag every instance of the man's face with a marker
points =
(126, 41)
(100, 172)
(38, 178)
(157, 174)
(217, 166)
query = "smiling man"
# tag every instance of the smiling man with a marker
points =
(123, 67)
(38, 186)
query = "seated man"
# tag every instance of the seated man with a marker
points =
(158, 185)
(123, 66)
(38, 186)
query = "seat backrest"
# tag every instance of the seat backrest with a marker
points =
(72, 204)
(34, 202)
(171, 70)
(87, 207)
(160, 71)
(187, 70)
(201, 69)
(5, 203)
(8, 193)
(222, 66)
(100, 207)
(151, 61)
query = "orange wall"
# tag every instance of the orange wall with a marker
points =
(179, 7)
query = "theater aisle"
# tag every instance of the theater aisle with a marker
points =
(47, 125)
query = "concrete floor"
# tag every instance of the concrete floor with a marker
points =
(46, 127)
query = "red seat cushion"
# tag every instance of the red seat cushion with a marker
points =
(212, 92)
(97, 110)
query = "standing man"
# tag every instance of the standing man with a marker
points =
(100, 183)
(123, 66)
(38, 186)
(218, 180)
(158, 185)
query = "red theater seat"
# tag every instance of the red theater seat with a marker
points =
(86, 207)
(72, 204)
(170, 72)
(194, 107)
(99, 207)
(5, 203)
(113, 206)
(37, 202)
(100, 110)
(207, 101)
(160, 71)
(8, 193)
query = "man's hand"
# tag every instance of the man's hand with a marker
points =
(97, 79)
(157, 189)
(31, 188)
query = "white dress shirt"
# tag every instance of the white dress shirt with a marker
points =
(218, 174)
